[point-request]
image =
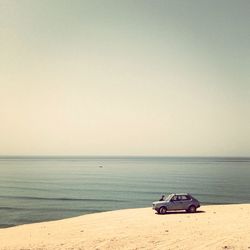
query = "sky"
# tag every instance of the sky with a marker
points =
(169, 78)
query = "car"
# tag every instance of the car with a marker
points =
(173, 202)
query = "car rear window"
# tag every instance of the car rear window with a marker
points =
(185, 197)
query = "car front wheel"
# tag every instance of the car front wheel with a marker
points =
(162, 210)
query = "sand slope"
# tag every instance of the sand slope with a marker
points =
(216, 227)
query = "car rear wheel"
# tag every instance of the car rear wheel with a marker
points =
(162, 210)
(192, 209)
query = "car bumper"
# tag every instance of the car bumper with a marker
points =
(154, 207)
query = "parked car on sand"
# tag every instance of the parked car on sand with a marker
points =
(182, 201)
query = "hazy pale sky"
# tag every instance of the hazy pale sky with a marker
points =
(125, 77)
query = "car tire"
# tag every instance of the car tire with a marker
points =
(192, 209)
(162, 210)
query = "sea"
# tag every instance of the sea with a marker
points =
(35, 189)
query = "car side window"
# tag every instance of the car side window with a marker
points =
(174, 198)
(184, 197)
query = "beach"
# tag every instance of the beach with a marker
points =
(212, 227)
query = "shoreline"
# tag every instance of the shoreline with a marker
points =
(95, 212)
(212, 227)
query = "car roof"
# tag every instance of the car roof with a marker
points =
(181, 194)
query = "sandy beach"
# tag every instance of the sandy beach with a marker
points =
(212, 227)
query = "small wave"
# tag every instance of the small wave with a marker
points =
(60, 199)
(24, 188)
(82, 210)
(220, 203)
(7, 225)
(11, 208)
(223, 196)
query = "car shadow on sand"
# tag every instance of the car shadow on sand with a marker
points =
(181, 212)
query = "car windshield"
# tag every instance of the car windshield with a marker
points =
(168, 197)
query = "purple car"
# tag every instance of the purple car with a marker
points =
(182, 201)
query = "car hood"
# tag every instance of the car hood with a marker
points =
(160, 202)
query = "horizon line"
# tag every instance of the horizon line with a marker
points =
(118, 156)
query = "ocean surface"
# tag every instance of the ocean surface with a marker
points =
(34, 189)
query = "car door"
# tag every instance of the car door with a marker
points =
(174, 204)
(184, 202)
(179, 203)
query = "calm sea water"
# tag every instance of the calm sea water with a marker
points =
(41, 189)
